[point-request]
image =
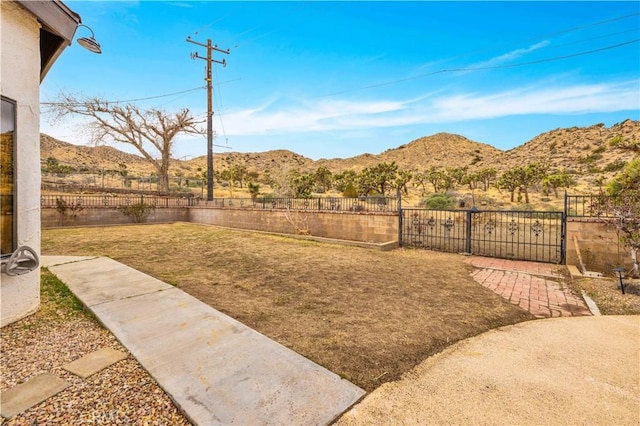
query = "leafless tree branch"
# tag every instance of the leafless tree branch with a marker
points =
(152, 132)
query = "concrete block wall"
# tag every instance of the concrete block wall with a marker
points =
(364, 227)
(599, 245)
(597, 238)
(110, 216)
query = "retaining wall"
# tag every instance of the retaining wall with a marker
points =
(364, 227)
(110, 216)
(599, 245)
(597, 238)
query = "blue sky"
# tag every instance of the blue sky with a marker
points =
(338, 79)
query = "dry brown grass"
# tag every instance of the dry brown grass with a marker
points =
(367, 315)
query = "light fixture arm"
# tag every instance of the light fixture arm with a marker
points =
(87, 27)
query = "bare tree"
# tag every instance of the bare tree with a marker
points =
(624, 201)
(152, 132)
(627, 211)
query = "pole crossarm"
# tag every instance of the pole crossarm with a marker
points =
(209, 58)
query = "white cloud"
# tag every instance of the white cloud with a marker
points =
(307, 116)
(349, 117)
(341, 115)
(578, 99)
(509, 56)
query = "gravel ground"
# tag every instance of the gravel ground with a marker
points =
(123, 393)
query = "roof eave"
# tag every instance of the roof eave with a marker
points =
(59, 24)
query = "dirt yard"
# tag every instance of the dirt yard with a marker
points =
(607, 295)
(366, 315)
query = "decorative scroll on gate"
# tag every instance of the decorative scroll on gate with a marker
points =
(537, 236)
(441, 230)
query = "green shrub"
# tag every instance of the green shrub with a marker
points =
(487, 201)
(523, 208)
(590, 159)
(139, 211)
(616, 140)
(350, 191)
(440, 202)
(615, 166)
(65, 209)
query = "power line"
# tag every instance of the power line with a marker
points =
(555, 33)
(557, 58)
(130, 100)
(593, 24)
(218, 101)
(554, 46)
(547, 35)
(520, 64)
(218, 83)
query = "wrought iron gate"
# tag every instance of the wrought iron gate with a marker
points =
(537, 236)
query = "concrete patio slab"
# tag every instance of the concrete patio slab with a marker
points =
(95, 361)
(217, 370)
(30, 393)
(101, 280)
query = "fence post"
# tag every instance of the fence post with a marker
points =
(399, 218)
(563, 230)
(468, 232)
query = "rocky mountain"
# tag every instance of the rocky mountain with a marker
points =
(581, 150)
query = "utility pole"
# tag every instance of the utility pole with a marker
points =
(209, 60)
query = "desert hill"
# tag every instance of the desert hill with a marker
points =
(89, 157)
(420, 154)
(439, 150)
(583, 151)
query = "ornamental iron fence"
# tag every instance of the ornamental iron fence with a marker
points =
(110, 201)
(523, 235)
(535, 236)
(334, 204)
(598, 206)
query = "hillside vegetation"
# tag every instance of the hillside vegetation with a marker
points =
(581, 159)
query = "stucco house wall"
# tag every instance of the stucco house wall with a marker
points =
(33, 35)
(20, 81)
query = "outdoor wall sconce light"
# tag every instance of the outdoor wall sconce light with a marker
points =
(89, 43)
(620, 272)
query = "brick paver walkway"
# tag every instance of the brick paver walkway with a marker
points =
(536, 287)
